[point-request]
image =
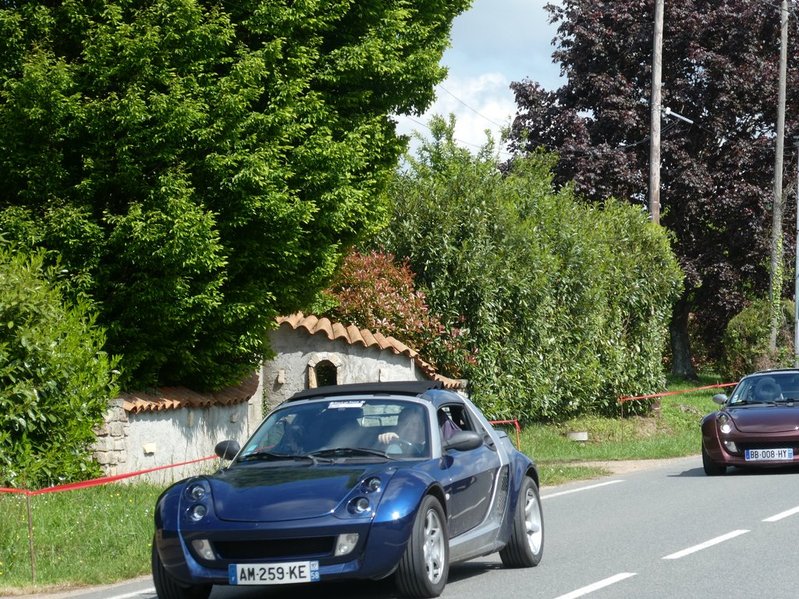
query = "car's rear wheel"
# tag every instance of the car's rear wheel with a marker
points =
(711, 468)
(526, 545)
(167, 587)
(424, 566)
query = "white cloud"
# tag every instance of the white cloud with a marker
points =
(494, 43)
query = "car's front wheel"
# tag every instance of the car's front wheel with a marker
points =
(711, 468)
(167, 587)
(526, 545)
(424, 567)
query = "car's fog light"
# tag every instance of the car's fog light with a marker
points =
(197, 512)
(346, 543)
(731, 446)
(203, 548)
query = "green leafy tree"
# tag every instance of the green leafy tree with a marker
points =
(55, 380)
(720, 64)
(201, 167)
(566, 305)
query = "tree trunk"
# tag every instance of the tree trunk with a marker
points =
(681, 362)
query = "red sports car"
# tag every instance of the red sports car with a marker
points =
(756, 426)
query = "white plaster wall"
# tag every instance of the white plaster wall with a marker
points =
(174, 436)
(288, 372)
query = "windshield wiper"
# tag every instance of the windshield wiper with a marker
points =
(786, 400)
(270, 456)
(350, 451)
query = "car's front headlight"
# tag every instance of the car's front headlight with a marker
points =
(364, 498)
(198, 494)
(725, 424)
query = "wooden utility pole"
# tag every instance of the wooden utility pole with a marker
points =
(796, 268)
(775, 280)
(654, 135)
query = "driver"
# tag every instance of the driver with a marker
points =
(410, 428)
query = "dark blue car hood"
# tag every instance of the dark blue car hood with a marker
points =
(258, 493)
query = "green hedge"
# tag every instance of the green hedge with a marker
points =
(55, 380)
(566, 305)
(745, 343)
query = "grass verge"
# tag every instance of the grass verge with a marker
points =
(102, 534)
(89, 536)
(670, 430)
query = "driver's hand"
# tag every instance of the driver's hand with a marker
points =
(386, 438)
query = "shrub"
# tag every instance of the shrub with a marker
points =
(745, 343)
(567, 304)
(371, 290)
(55, 380)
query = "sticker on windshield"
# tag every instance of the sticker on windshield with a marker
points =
(345, 404)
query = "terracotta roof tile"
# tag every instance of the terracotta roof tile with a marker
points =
(353, 335)
(173, 398)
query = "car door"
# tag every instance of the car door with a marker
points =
(469, 475)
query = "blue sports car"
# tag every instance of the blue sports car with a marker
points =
(352, 482)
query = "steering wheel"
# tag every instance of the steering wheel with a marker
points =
(402, 447)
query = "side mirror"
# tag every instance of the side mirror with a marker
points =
(720, 398)
(464, 441)
(227, 450)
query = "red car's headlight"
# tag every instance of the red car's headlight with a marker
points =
(725, 424)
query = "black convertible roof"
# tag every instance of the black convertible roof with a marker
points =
(413, 388)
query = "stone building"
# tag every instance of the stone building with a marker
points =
(312, 352)
(149, 433)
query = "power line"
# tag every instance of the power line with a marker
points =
(477, 112)
(410, 118)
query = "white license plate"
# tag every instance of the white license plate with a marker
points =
(280, 573)
(765, 455)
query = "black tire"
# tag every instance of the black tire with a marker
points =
(167, 587)
(424, 567)
(711, 468)
(526, 545)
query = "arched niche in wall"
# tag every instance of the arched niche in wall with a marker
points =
(323, 370)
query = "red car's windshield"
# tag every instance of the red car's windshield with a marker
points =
(769, 388)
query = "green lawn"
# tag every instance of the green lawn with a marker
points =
(672, 430)
(103, 534)
(88, 536)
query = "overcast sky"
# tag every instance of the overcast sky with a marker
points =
(493, 43)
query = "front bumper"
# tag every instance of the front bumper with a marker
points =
(379, 548)
(730, 449)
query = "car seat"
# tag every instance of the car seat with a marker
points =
(767, 390)
(447, 426)
(338, 427)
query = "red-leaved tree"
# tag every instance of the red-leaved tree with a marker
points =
(373, 291)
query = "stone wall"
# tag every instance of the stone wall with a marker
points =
(111, 449)
(155, 440)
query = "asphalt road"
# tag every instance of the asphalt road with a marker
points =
(664, 531)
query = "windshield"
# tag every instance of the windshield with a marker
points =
(766, 389)
(343, 428)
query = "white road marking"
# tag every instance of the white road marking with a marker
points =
(596, 586)
(134, 594)
(706, 544)
(610, 482)
(782, 515)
